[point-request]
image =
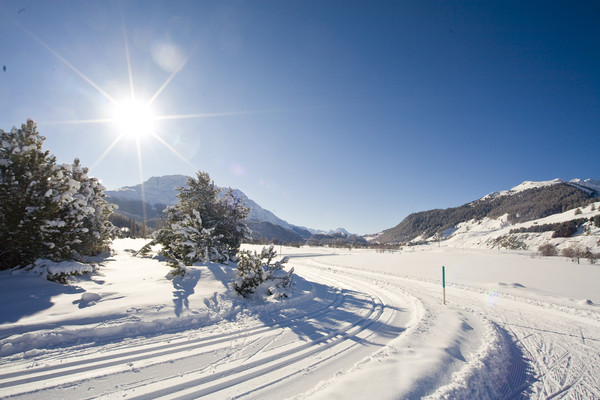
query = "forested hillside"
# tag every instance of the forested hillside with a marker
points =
(521, 206)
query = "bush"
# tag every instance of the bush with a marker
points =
(548, 250)
(256, 270)
(573, 252)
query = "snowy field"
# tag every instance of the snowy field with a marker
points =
(360, 324)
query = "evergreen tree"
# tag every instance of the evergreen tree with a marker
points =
(92, 211)
(25, 170)
(202, 227)
(47, 210)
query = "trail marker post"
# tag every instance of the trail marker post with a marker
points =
(444, 284)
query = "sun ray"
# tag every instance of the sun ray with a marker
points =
(127, 53)
(143, 193)
(79, 121)
(173, 75)
(108, 149)
(168, 146)
(208, 115)
(64, 61)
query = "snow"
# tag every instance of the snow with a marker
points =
(484, 233)
(357, 324)
(584, 184)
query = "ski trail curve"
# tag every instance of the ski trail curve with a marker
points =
(359, 331)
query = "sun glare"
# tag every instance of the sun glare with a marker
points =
(134, 118)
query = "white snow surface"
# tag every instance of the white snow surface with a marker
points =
(359, 324)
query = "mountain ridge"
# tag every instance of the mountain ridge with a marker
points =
(527, 201)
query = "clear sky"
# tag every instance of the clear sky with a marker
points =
(329, 113)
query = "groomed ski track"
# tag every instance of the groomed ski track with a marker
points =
(356, 331)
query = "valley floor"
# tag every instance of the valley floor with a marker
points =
(361, 324)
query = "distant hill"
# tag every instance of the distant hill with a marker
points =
(159, 192)
(525, 202)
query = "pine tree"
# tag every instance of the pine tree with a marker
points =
(92, 210)
(231, 222)
(202, 227)
(25, 201)
(47, 210)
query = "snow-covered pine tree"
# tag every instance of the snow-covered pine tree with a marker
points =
(81, 226)
(94, 211)
(232, 216)
(46, 210)
(26, 173)
(202, 227)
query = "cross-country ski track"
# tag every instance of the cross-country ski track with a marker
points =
(354, 332)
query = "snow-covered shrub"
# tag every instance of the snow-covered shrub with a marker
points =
(59, 271)
(47, 210)
(256, 270)
(202, 227)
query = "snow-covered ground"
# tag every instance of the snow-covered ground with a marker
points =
(361, 324)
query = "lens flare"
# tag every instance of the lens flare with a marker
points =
(237, 169)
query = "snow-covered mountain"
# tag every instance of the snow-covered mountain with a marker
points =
(588, 185)
(162, 190)
(156, 190)
(330, 232)
(526, 203)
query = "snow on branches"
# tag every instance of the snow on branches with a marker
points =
(47, 210)
(258, 271)
(201, 227)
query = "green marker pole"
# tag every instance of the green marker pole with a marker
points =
(444, 283)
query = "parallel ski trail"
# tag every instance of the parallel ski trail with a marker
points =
(339, 318)
(355, 318)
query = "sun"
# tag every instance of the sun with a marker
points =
(134, 118)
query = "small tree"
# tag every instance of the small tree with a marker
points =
(255, 270)
(573, 252)
(591, 256)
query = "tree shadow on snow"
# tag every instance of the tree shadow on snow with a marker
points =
(28, 294)
(183, 288)
(222, 272)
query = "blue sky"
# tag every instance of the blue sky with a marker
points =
(329, 113)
